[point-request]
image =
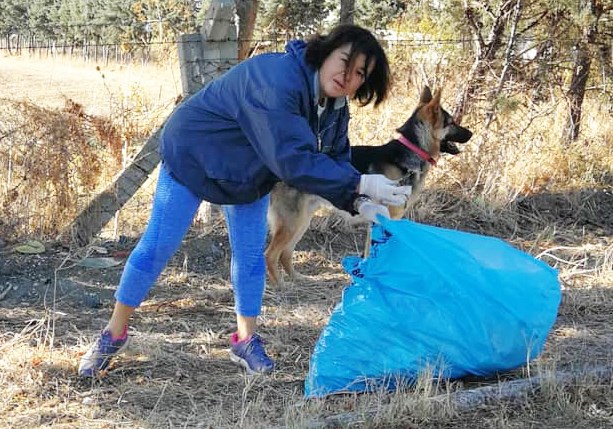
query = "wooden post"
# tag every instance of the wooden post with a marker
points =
(206, 55)
(190, 50)
(203, 56)
(212, 51)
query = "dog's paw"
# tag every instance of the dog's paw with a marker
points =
(276, 284)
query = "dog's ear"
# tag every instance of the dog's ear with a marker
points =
(432, 109)
(436, 100)
(426, 95)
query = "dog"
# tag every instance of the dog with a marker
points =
(428, 132)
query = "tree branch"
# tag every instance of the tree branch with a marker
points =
(469, 13)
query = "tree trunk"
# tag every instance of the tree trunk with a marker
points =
(581, 72)
(508, 58)
(486, 52)
(545, 56)
(576, 91)
(347, 11)
(247, 11)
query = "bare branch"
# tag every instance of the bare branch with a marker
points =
(469, 13)
(507, 61)
(533, 24)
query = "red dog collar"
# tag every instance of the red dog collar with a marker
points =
(418, 151)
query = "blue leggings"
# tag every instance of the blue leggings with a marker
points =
(174, 208)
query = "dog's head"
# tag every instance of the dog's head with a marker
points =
(433, 130)
(452, 134)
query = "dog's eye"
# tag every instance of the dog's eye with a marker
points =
(448, 120)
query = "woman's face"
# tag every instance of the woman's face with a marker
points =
(335, 80)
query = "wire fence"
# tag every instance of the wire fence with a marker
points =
(80, 153)
(28, 40)
(424, 53)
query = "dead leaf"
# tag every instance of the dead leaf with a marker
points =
(30, 247)
(99, 249)
(99, 262)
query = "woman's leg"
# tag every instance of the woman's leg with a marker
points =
(174, 207)
(247, 230)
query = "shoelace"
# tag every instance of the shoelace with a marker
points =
(256, 346)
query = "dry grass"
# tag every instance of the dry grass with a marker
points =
(513, 180)
(50, 81)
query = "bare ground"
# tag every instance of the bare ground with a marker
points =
(176, 372)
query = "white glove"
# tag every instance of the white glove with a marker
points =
(369, 210)
(384, 190)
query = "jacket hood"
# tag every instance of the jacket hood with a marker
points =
(297, 48)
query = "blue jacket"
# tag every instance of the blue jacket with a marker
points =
(256, 125)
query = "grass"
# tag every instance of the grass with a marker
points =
(514, 180)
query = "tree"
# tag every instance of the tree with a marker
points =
(570, 35)
(487, 25)
(377, 14)
(293, 18)
(40, 18)
(582, 62)
(347, 11)
(115, 17)
(14, 16)
(247, 14)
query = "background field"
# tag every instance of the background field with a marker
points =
(512, 181)
(48, 82)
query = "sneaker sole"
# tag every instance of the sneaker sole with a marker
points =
(242, 362)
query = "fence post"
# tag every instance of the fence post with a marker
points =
(212, 51)
(203, 56)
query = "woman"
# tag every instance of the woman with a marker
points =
(274, 117)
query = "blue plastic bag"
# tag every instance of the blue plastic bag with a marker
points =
(456, 303)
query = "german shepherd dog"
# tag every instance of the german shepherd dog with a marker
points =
(422, 138)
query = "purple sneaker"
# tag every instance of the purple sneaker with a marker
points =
(101, 352)
(251, 355)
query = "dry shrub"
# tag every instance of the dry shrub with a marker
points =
(50, 158)
(522, 154)
(133, 118)
(53, 161)
(103, 128)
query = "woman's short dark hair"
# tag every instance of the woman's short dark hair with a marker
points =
(362, 41)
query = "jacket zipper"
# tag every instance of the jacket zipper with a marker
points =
(320, 112)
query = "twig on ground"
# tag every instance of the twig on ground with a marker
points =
(465, 400)
(5, 292)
